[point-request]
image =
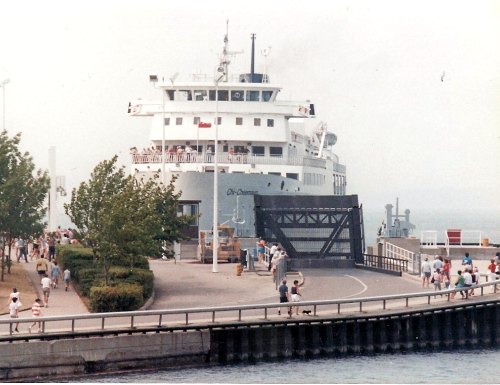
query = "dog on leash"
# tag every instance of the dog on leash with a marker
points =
(307, 312)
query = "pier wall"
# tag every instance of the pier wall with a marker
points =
(463, 326)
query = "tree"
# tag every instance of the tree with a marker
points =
(22, 194)
(123, 218)
(105, 182)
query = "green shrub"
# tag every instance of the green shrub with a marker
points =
(87, 278)
(144, 278)
(75, 258)
(123, 297)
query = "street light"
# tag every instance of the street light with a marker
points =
(154, 79)
(2, 84)
(216, 173)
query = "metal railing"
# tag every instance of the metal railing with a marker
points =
(393, 251)
(428, 238)
(385, 263)
(233, 159)
(135, 321)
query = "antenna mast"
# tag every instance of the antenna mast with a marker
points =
(224, 60)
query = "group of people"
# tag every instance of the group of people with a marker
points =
(46, 283)
(292, 296)
(439, 274)
(276, 255)
(15, 304)
(44, 245)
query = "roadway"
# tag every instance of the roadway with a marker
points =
(188, 284)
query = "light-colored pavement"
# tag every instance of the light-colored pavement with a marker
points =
(189, 284)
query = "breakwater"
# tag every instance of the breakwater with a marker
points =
(459, 325)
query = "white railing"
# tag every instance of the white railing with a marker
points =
(393, 251)
(428, 238)
(468, 238)
(228, 159)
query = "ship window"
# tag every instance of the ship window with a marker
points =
(223, 95)
(225, 148)
(266, 95)
(239, 121)
(170, 94)
(270, 122)
(183, 95)
(210, 149)
(166, 121)
(276, 151)
(252, 96)
(292, 175)
(196, 120)
(178, 121)
(256, 122)
(219, 120)
(275, 173)
(237, 96)
(200, 95)
(258, 150)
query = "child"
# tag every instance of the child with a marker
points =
(67, 277)
(56, 273)
(36, 312)
(14, 311)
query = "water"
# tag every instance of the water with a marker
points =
(456, 367)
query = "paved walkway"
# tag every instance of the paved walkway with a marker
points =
(188, 284)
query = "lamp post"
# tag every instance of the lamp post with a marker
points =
(215, 243)
(154, 79)
(216, 174)
(2, 84)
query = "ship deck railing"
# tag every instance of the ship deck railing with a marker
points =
(235, 159)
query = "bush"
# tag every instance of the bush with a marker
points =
(123, 297)
(74, 258)
(142, 277)
(87, 278)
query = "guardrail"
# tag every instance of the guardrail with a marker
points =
(234, 159)
(385, 263)
(393, 251)
(104, 322)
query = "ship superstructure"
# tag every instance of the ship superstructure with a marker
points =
(265, 145)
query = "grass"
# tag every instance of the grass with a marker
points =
(18, 279)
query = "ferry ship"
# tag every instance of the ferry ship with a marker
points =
(265, 145)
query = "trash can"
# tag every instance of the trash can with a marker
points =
(244, 257)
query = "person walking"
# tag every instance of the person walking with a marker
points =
(42, 266)
(296, 294)
(284, 297)
(14, 311)
(21, 244)
(426, 271)
(36, 311)
(66, 278)
(55, 274)
(52, 247)
(437, 279)
(14, 294)
(46, 282)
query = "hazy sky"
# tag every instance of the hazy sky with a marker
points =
(411, 88)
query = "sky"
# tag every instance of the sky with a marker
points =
(411, 88)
